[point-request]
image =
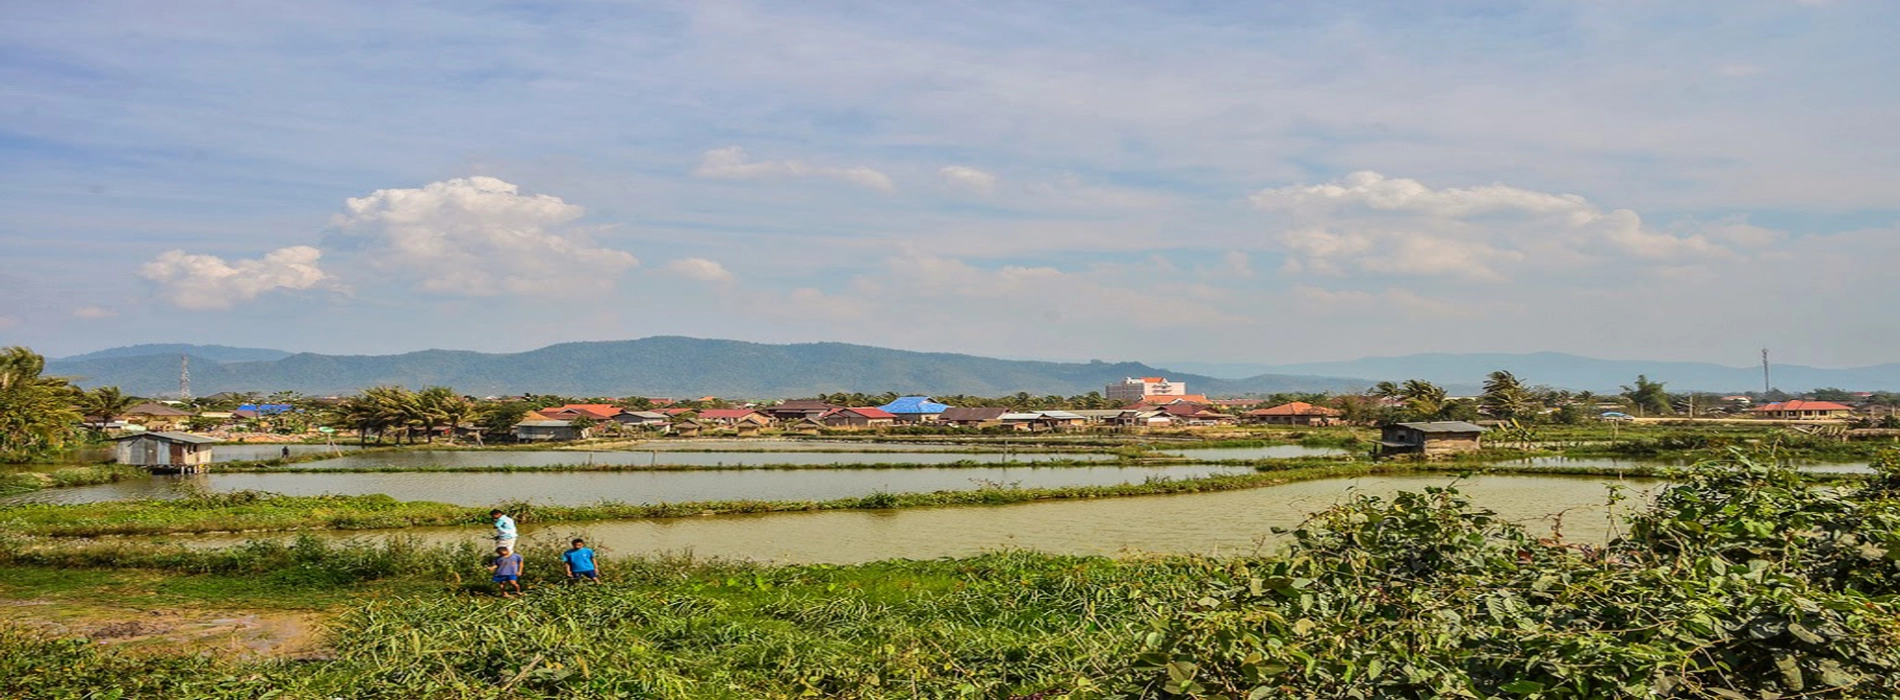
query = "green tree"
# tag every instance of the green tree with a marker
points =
(1423, 400)
(1647, 396)
(36, 412)
(1505, 398)
(106, 403)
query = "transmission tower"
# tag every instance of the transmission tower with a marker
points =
(184, 377)
(1766, 386)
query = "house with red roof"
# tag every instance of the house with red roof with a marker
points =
(734, 417)
(861, 417)
(1798, 409)
(1295, 413)
(590, 411)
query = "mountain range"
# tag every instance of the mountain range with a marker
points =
(676, 366)
(658, 366)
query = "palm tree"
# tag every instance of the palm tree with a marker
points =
(1504, 396)
(36, 412)
(1424, 399)
(107, 402)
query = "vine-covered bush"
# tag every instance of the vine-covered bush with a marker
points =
(1741, 581)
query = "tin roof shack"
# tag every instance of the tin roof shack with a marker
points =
(1440, 438)
(166, 452)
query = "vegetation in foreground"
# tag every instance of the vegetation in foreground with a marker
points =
(1740, 582)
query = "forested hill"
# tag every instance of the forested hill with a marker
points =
(659, 366)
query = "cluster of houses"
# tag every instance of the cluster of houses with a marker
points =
(1153, 402)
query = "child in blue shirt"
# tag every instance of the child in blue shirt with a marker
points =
(579, 560)
(507, 568)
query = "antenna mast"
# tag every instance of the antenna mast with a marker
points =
(184, 377)
(1766, 386)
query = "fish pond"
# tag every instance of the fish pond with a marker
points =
(585, 487)
(1224, 523)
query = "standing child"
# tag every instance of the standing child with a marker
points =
(507, 568)
(505, 532)
(580, 562)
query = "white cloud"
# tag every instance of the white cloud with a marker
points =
(1369, 223)
(968, 178)
(208, 282)
(700, 269)
(94, 312)
(730, 163)
(479, 236)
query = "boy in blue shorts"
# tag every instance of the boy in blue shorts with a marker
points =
(580, 562)
(507, 568)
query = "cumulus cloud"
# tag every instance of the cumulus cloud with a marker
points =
(479, 236)
(209, 282)
(700, 269)
(969, 178)
(730, 163)
(94, 312)
(1367, 222)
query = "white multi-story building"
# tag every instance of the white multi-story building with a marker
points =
(1137, 389)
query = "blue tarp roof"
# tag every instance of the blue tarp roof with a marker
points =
(266, 408)
(914, 404)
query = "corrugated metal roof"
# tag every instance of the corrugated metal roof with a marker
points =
(914, 405)
(173, 437)
(1444, 426)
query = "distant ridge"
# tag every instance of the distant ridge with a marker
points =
(214, 353)
(657, 366)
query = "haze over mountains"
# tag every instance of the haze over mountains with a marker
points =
(676, 366)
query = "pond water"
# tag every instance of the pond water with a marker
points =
(546, 458)
(1267, 452)
(580, 488)
(248, 452)
(1228, 523)
(1614, 463)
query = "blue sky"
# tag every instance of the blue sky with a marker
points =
(1227, 182)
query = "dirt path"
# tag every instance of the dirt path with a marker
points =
(223, 633)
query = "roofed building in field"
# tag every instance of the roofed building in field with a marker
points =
(859, 417)
(734, 417)
(915, 409)
(1431, 439)
(1295, 413)
(1798, 409)
(156, 416)
(798, 409)
(165, 451)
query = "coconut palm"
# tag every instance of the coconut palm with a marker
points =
(106, 403)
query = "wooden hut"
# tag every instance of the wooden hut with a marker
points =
(686, 428)
(1430, 439)
(165, 451)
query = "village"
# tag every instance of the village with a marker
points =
(1413, 419)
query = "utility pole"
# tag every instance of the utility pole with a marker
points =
(184, 377)
(1766, 386)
